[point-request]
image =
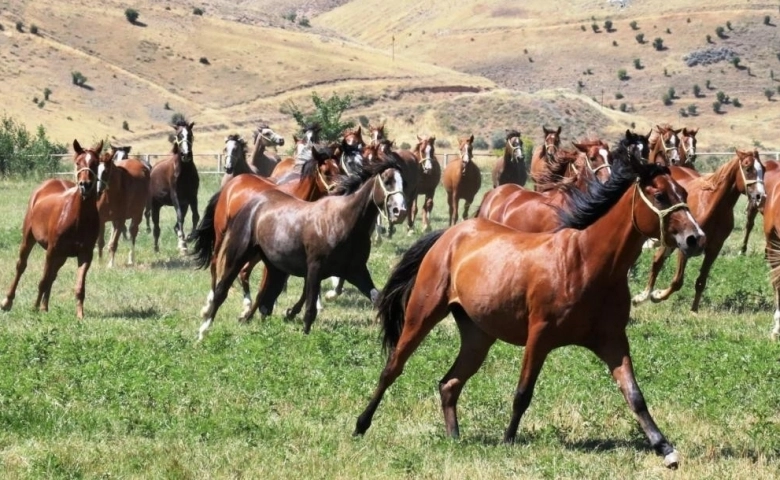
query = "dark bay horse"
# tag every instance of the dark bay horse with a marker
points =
(546, 153)
(511, 167)
(315, 181)
(235, 152)
(125, 197)
(636, 143)
(540, 290)
(175, 182)
(62, 217)
(428, 178)
(664, 144)
(314, 240)
(461, 179)
(711, 198)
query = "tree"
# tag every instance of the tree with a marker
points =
(692, 110)
(767, 20)
(658, 44)
(46, 93)
(327, 113)
(633, 25)
(27, 154)
(722, 97)
(608, 25)
(637, 64)
(622, 74)
(78, 79)
(131, 15)
(720, 32)
(716, 107)
(735, 61)
(696, 91)
(640, 38)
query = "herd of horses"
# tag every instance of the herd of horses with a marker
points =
(542, 268)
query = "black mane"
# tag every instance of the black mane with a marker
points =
(347, 185)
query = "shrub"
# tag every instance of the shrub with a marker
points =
(614, 43)
(709, 38)
(669, 31)
(197, 11)
(582, 27)
(735, 61)
(708, 84)
(290, 16)
(692, 110)
(618, 96)
(35, 99)
(363, 120)
(666, 99)
(728, 25)
(767, 20)
(633, 25)
(530, 60)
(720, 32)
(595, 27)
(769, 93)
(204, 61)
(498, 140)
(722, 97)
(326, 112)
(47, 93)
(78, 79)
(27, 154)
(608, 25)
(131, 15)
(167, 107)
(41, 104)
(696, 91)
(34, 29)
(637, 64)
(640, 38)
(125, 125)
(304, 22)
(623, 107)
(716, 106)
(19, 26)
(177, 118)
(736, 102)
(622, 74)
(672, 93)
(666, 74)
(480, 144)
(658, 44)
(682, 112)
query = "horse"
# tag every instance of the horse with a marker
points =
(461, 179)
(771, 170)
(314, 182)
(377, 133)
(771, 211)
(329, 237)
(541, 290)
(712, 198)
(120, 153)
(175, 182)
(428, 178)
(636, 143)
(664, 145)
(511, 167)
(125, 197)
(589, 154)
(545, 154)
(62, 217)
(352, 145)
(687, 148)
(262, 164)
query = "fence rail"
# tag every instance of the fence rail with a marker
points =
(217, 159)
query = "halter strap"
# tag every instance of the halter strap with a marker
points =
(661, 213)
(385, 208)
(94, 186)
(329, 187)
(746, 181)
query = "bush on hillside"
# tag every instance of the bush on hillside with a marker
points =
(132, 15)
(24, 154)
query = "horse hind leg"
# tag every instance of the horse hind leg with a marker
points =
(772, 253)
(229, 272)
(112, 244)
(133, 235)
(28, 242)
(243, 279)
(338, 288)
(274, 282)
(474, 347)
(427, 211)
(155, 214)
(710, 255)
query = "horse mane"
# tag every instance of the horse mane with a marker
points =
(553, 176)
(512, 133)
(349, 184)
(584, 207)
(712, 181)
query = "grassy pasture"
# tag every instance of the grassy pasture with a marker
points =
(126, 393)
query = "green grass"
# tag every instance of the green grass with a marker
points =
(126, 393)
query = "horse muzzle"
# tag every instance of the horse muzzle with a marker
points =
(692, 242)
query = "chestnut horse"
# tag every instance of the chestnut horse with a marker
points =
(771, 177)
(120, 153)
(545, 154)
(511, 167)
(127, 191)
(461, 179)
(541, 290)
(62, 217)
(664, 145)
(428, 178)
(329, 237)
(315, 181)
(589, 154)
(771, 211)
(377, 133)
(687, 147)
(712, 198)
(175, 182)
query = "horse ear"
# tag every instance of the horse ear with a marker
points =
(650, 132)
(433, 139)
(628, 133)
(546, 132)
(192, 124)
(357, 132)
(471, 138)
(77, 147)
(693, 132)
(295, 138)
(128, 149)
(559, 129)
(99, 147)
(419, 139)
(677, 132)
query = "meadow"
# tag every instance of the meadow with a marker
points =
(127, 393)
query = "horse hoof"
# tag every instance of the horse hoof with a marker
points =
(657, 296)
(638, 299)
(289, 314)
(672, 460)
(6, 305)
(331, 294)
(410, 232)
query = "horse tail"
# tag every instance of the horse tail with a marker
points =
(772, 253)
(204, 235)
(391, 303)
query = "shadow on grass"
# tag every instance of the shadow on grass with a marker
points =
(132, 313)
(183, 263)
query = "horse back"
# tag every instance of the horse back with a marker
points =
(494, 201)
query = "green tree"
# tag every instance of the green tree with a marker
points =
(24, 153)
(131, 15)
(633, 25)
(696, 91)
(716, 106)
(658, 44)
(622, 74)
(327, 113)
(769, 93)
(47, 93)
(692, 110)
(640, 38)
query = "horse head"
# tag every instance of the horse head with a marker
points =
(552, 141)
(389, 195)
(311, 133)
(425, 150)
(596, 157)
(183, 139)
(235, 151)
(465, 148)
(637, 144)
(352, 150)
(687, 150)
(667, 141)
(514, 146)
(752, 177)
(377, 133)
(267, 137)
(120, 153)
(87, 163)
(104, 170)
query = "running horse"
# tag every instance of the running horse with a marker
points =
(428, 178)
(175, 182)
(771, 170)
(62, 217)
(315, 181)
(314, 240)
(511, 167)
(461, 179)
(664, 145)
(301, 153)
(712, 198)
(125, 197)
(351, 151)
(540, 290)
(544, 155)
(377, 133)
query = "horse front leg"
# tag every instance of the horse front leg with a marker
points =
(230, 266)
(112, 244)
(427, 212)
(195, 216)
(274, 282)
(85, 260)
(181, 210)
(243, 279)
(752, 211)
(710, 255)
(134, 223)
(677, 281)
(312, 292)
(155, 214)
(101, 240)
(360, 277)
(659, 257)
(466, 207)
(28, 242)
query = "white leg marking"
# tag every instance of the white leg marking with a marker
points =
(205, 326)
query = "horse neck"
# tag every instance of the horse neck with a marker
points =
(259, 152)
(723, 181)
(306, 188)
(612, 243)
(360, 208)
(507, 156)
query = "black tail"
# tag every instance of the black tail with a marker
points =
(204, 235)
(392, 300)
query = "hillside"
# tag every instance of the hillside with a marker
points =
(456, 67)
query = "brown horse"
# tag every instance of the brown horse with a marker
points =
(771, 177)
(712, 199)
(664, 145)
(428, 178)
(261, 163)
(771, 211)
(377, 133)
(315, 181)
(511, 167)
(461, 179)
(594, 156)
(329, 237)
(175, 182)
(62, 217)
(125, 197)
(541, 290)
(687, 148)
(545, 154)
